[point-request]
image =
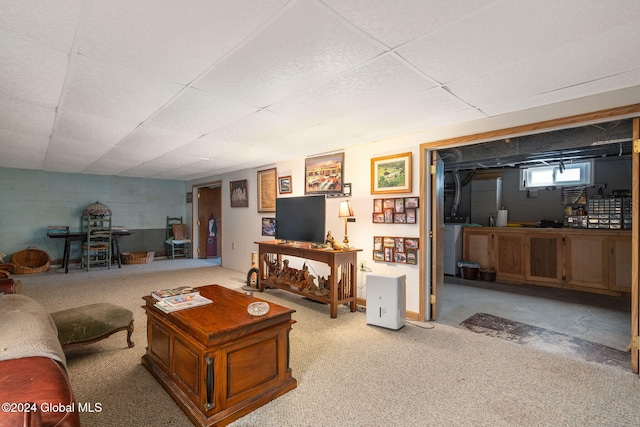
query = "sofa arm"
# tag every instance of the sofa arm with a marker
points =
(44, 385)
(10, 286)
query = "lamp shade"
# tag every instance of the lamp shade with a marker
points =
(97, 209)
(345, 209)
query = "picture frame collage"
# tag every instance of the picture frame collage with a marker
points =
(402, 250)
(396, 210)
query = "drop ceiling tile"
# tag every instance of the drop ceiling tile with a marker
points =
(25, 141)
(261, 126)
(172, 38)
(198, 112)
(383, 80)
(306, 45)
(397, 22)
(506, 32)
(408, 115)
(117, 93)
(147, 143)
(26, 117)
(19, 158)
(51, 23)
(69, 163)
(85, 127)
(104, 166)
(30, 72)
(89, 150)
(629, 80)
(315, 140)
(572, 65)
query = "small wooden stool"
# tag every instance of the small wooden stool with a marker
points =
(90, 323)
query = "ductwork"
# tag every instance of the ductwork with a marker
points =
(456, 195)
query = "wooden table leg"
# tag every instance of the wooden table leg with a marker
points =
(65, 255)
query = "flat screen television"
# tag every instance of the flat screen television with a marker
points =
(301, 219)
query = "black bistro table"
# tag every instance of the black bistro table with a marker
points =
(78, 237)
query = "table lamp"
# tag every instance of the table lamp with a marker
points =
(345, 212)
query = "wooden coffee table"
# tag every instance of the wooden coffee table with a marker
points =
(217, 361)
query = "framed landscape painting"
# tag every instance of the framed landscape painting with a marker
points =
(324, 174)
(391, 174)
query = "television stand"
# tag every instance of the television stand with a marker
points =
(342, 280)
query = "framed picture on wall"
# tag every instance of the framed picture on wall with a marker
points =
(267, 190)
(284, 184)
(324, 174)
(391, 174)
(238, 194)
(268, 226)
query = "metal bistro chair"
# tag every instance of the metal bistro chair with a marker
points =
(177, 238)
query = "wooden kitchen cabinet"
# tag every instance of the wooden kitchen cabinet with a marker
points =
(477, 246)
(592, 260)
(587, 260)
(620, 264)
(510, 256)
(544, 257)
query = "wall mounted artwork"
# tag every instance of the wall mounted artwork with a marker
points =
(391, 174)
(396, 249)
(396, 210)
(324, 174)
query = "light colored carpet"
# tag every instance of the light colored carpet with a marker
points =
(349, 373)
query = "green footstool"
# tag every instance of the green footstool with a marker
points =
(91, 323)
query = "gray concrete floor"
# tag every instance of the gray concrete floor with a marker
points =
(597, 318)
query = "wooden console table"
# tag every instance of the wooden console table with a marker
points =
(217, 361)
(342, 281)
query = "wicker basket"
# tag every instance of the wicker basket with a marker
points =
(137, 257)
(30, 260)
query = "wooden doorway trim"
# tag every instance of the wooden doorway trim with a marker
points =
(635, 247)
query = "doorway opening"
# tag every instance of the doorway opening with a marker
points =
(207, 211)
(599, 318)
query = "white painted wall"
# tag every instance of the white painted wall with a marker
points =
(241, 227)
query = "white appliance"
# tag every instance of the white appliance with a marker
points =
(452, 248)
(386, 300)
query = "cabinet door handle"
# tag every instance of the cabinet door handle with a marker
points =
(210, 382)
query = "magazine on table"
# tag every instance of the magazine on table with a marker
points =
(163, 294)
(181, 303)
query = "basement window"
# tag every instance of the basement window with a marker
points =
(556, 175)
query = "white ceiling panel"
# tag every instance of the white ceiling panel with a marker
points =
(572, 65)
(19, 158)
(147, 143)
(608, 84)
(261, 126)
(89, 150)
(184, 90)
(199, 112)
(111, 166)
(100, 89)
(25, 117)
(97, 129)
(405, 116)
(73, 161)
(383, 80)
(396, 22)
(502, 34)
(315, 140)
(51, 23)
(29, 142)
(31, 72)
(305, 46)
(172, 38)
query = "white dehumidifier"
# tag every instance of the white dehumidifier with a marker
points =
(386, 300)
